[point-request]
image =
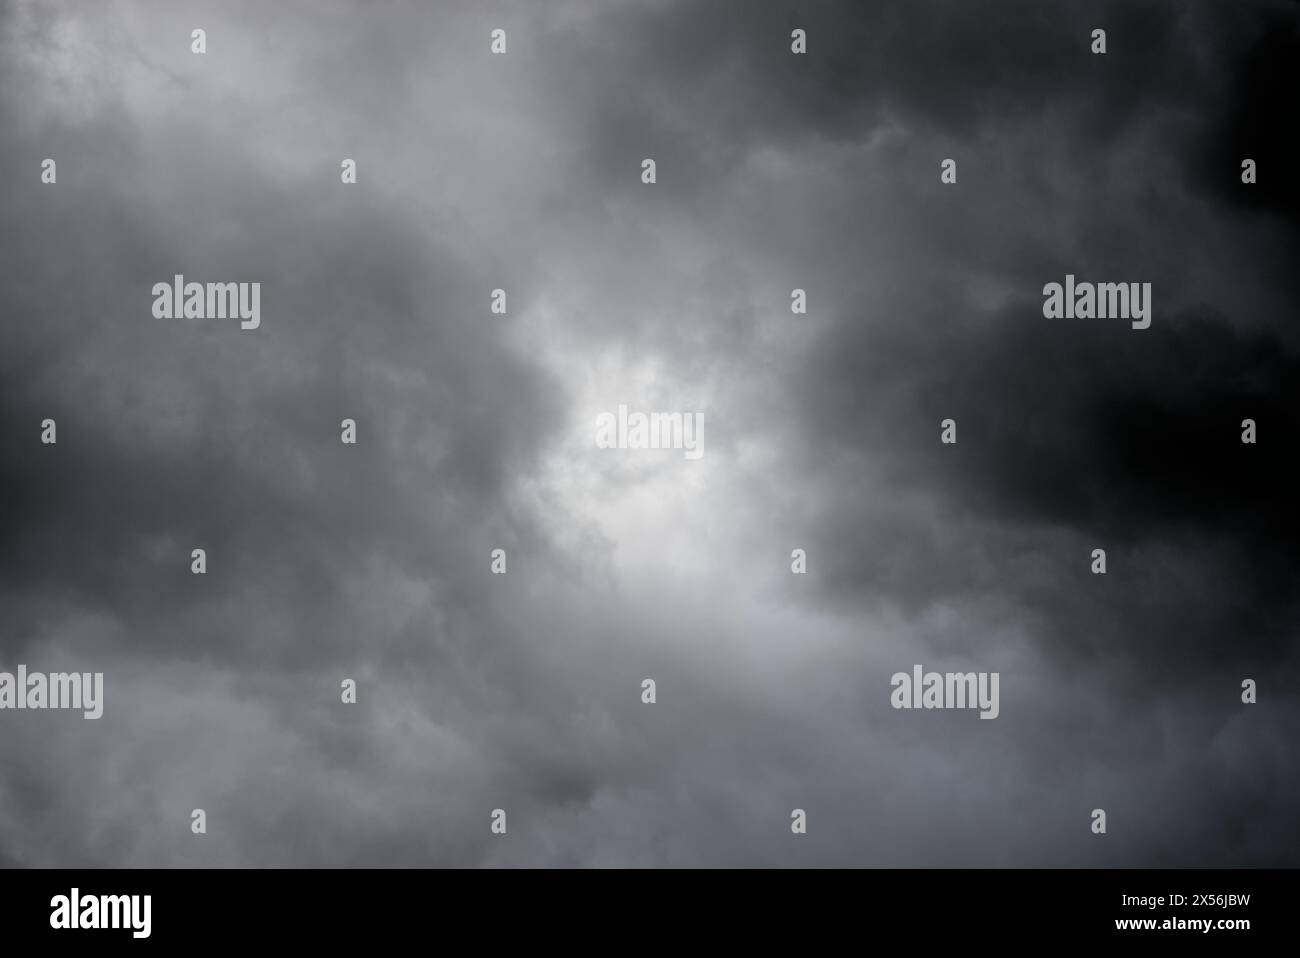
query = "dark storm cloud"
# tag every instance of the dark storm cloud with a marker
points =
(1076, 434)
(522, 691)
(1118, 438)
(1122, 437)
(1255, 72)
(720, 76)
(260, 422)
(171, 438)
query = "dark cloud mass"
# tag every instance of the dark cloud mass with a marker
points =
(821, 432)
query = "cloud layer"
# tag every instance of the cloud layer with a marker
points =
(475, 432)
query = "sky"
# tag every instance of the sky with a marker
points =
(821, 432)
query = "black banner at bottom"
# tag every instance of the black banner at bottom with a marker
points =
(664, 908)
